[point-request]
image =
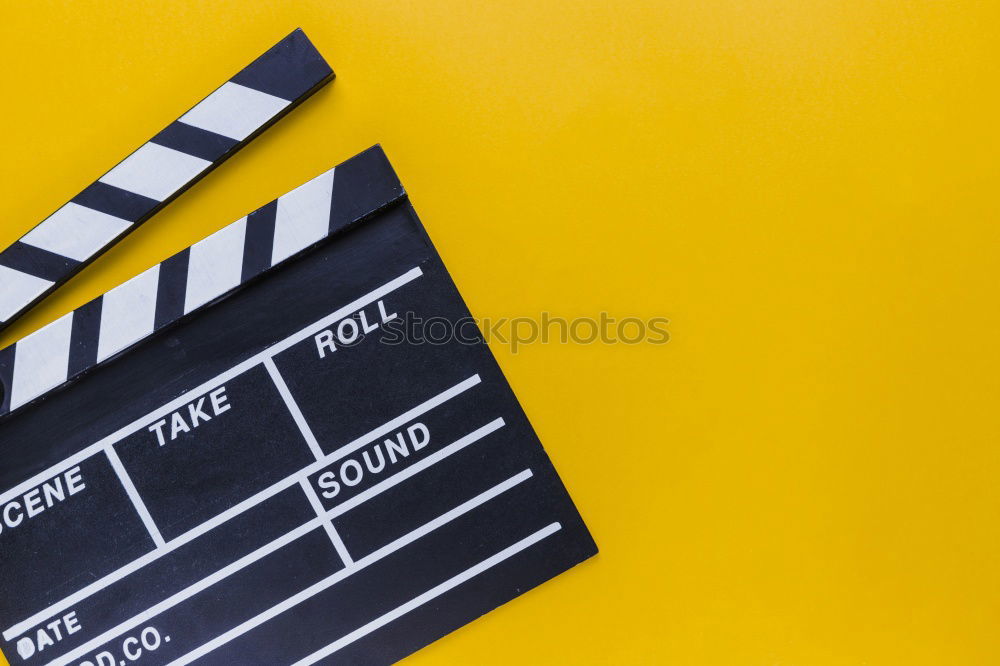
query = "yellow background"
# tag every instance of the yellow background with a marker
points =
(807, 473)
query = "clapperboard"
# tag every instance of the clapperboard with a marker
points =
(242, 455)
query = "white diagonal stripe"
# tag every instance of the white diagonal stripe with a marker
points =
(155, 171)
(17, 289)
(293, 408)
(234, 111)
(76, 231)
(41, 361)
(430, 595)
(303, 217)
(215, 265)
(331, 531)
(128, 313)
(135, 497)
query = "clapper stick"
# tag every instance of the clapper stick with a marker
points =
(112, 323)
(253, 453)
(161, 169)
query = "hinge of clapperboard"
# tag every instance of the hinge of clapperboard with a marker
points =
(142, 184)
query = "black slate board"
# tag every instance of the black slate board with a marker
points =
(177, 479)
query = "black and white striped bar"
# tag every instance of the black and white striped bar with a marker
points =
(161, 169)
(156, 298)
